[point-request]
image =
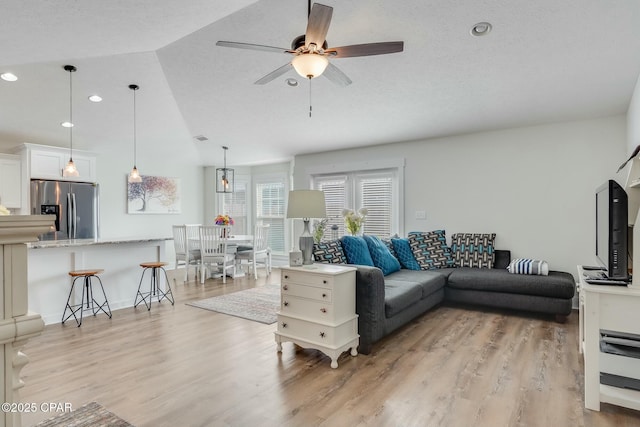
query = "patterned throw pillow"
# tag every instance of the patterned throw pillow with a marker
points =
(329, 252)
(430, 249)
(473, 250)
(381, 256)
(389, 245)
(404, 254)
(528, 266)
(356, 250)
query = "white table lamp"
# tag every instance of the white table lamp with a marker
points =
(306, 204)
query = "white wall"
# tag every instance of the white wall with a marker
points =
(112, 177)
(534, 186)
(633, 120)
(113, 169)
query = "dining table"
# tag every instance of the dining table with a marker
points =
(233, 242)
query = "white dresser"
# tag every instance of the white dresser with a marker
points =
(318, 309)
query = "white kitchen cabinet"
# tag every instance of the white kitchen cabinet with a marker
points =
(48, 162)
(10, 180)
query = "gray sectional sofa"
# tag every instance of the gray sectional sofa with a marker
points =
(385, 303)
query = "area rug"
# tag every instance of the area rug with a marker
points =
(90, 415)
(258, 304)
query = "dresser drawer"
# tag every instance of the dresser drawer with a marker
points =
(313, 310)
(311, 292)
(307, 278)
(316, 332)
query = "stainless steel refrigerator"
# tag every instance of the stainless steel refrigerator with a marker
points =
(75, 205)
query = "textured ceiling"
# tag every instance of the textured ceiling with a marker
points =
(544, 61)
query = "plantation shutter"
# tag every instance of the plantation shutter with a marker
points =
(335, 195)
(375, 192)
(235, 205)
(270, 203)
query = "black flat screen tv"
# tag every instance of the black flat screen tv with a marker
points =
(612, 228)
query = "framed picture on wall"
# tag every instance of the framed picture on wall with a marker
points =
(154, 195)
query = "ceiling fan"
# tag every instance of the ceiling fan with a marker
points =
(311, 53)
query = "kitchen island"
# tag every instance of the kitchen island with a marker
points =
(51, 261)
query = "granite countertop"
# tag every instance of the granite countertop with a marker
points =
(86, 242)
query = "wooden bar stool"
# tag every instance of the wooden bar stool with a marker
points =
(154, 290)
(87, 296)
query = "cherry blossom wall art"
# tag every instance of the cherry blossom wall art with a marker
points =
(154, 195)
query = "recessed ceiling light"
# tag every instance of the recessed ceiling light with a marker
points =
(292, 82)
(66, 124)
(481, 29)
(9, 77)
(95, 98)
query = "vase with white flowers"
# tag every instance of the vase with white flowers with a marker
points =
(354, 220)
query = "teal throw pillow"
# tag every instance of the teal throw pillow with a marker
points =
(356, 250)
(405, 255)
(381, 256)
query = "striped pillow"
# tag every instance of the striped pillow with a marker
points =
(528, 266)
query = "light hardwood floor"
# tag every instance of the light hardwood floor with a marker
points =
(185, 366)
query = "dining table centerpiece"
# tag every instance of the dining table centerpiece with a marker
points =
(223, 220)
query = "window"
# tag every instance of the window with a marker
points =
(378, 191)
(235, 205)
(270, 209)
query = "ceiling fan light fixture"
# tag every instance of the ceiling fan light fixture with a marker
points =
(310, 65)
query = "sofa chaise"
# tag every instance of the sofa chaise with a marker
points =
(385, 303)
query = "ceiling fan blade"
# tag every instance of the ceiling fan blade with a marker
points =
(366, 49)
(250, 46)
(334, 74)
(318, 25)
(275, 73)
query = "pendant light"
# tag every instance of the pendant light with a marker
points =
(134, 176)
(70, 169)
(224, 176)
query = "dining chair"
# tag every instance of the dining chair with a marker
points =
(193, 245)
(180, 247)
(213, 251)
(260, 253)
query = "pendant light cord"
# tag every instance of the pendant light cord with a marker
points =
(135, 162)
(71, 115)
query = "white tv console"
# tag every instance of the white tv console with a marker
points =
(614, 308)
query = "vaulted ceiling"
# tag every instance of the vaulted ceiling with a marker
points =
(543, 61)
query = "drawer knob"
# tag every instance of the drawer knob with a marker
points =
(322, 334)
(285, 288)
(286, 277)
(324, 281)
(284, 324)
(286, 303)
(324, 295)
(324, 310)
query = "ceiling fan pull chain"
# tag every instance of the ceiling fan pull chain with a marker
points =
(310, 97)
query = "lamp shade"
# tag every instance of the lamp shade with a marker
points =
(306, 204)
